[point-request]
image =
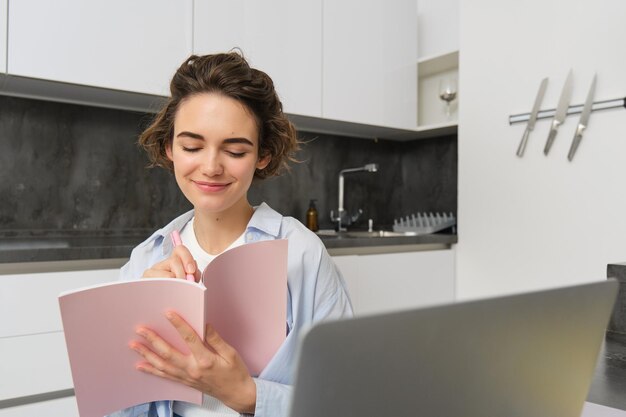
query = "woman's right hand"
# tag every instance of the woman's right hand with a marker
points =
(178, 265)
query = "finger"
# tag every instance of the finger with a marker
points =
(198, 274)
(187, 263)
(176, 266)
(151, 358)
(160, 348)
(159, 270)
(189, 335)
(148, 368)
(172, 267)
(158, 273)
(215, 342)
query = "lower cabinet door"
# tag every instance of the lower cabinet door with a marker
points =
(38, 366)
(65, 407)
(397, 281)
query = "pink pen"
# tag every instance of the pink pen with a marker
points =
(177, 242)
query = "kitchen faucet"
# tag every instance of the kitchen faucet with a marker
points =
(341, 212)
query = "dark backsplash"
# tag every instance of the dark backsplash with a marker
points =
(71, 167)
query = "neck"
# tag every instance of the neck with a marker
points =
(217, 231)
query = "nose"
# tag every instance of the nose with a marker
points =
(212, 166)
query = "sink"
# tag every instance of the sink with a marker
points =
(76, 241)
(25, 244)
(378, 233)
(365, 234)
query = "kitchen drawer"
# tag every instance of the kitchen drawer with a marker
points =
(32, 365)
(61, 407)
(29, 302)
(397, 281)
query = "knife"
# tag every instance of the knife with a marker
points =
(533, 117)
(584, 120)
(561, 112)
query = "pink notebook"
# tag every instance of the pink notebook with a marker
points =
(245, 300)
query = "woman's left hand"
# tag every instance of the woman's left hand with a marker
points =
(213, 366)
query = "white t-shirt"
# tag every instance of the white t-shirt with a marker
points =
(203, 258)
(211, 407)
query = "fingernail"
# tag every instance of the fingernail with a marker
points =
(191, 268)
(169, 315)
(141, 332)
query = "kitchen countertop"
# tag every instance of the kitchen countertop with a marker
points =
(609, 382)
(96, 247)
(341, 245)
(68, 245)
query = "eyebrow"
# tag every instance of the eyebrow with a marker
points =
(228, 140)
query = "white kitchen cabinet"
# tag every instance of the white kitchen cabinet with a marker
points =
(124, 45)
(280, 37)
(438, 27)
(38, 365)
(65, 407)
(370, 62)
(396, 281)
(3, 35)
(32, 333)
(438, 51)
(31, 299)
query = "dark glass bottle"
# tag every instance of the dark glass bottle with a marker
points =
(311, 217)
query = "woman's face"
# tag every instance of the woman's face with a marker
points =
(215, 151)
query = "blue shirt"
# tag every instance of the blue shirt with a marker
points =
(316, 292)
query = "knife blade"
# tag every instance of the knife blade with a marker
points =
(584, 120)
(561, 112)
(533, 117)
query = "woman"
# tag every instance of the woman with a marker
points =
(222, 127)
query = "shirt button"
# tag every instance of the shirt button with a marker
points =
(250, 236)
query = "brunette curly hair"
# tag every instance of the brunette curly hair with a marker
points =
(228, 74)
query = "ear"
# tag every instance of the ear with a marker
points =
(263, 162)
(168, 151)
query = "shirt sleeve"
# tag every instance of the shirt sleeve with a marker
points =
(142, 257)
(272, 399)
(332, 300)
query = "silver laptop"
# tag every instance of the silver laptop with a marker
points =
(526, 355)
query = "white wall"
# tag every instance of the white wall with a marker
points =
(437, 27)
(539, 221)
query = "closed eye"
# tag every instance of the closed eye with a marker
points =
(236, 154)
(191, 150)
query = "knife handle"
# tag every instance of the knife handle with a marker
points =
(572, 149)
(577, 138)
(522, 144)
(550, 140)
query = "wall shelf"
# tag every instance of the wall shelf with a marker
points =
(440, 129)
(435, 64)
(431, 110)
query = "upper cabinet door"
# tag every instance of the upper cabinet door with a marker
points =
(438, 27)
(3, 36)
(281, 37)
(118, 44)
(370, 62)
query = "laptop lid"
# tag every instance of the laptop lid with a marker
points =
(523, 355)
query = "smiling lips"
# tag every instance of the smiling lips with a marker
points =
(210, 187)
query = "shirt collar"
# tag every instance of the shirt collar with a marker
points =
(176, 224)
(266, 219)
